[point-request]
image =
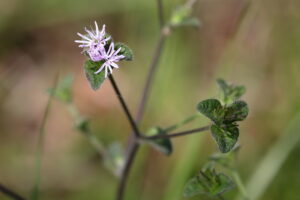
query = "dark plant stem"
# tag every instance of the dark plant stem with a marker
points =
(124, 175)
(160, 13)
(133, 146)
(125, 107)
(205, 128)
(11, 194)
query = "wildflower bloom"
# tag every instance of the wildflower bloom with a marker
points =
(93, 42)
(110, 58)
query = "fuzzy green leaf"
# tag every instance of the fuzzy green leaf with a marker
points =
(212, 109)
(231, 93)
(83, 126)
(237, 111)
(208, 182)
(125, 51)
(193, 188)
(226, 136)
(163, 145)
(95, 80)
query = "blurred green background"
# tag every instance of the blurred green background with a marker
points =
(254, 43)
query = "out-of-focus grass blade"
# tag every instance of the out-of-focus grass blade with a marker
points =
(40, 146)
(271, 163)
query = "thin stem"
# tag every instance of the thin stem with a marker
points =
(10, 193)
(87, 132)
(205, 128)
(133, 146)
(239, 183)
(160, 13)
(40, 146)
(126, 170)
(183, 122)
(124, 106)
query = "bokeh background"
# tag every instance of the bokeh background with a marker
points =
(250, 42)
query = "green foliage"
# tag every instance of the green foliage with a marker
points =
(225, 136)
(237, 111)
(125, 51)
(63, 90)
(83, 126)
(225, 129)
(230, 93)
(208, 182)
(181, 16)
(95, 80)
(212, 109)
(162, 145)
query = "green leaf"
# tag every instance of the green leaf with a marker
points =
(237, 111)
(63, 90)
(95, 80)
(208, 182)
(226, 136)
(83, 125)
(212, 109)
(125, 51)
(193, 187)
(163, 145)
(231, 93)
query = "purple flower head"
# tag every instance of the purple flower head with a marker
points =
(93, 42)
(110, 57)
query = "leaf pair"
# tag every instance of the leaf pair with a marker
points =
(91, 67)
(208, 182)
(224, 130)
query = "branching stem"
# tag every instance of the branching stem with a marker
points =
(124, 106)
(205, 128)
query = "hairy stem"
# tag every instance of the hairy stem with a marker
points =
(40, 146)
(183, 122)
(125, 107)
(98, 146)
(205, 128)
(9, 193)
(126, 170)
